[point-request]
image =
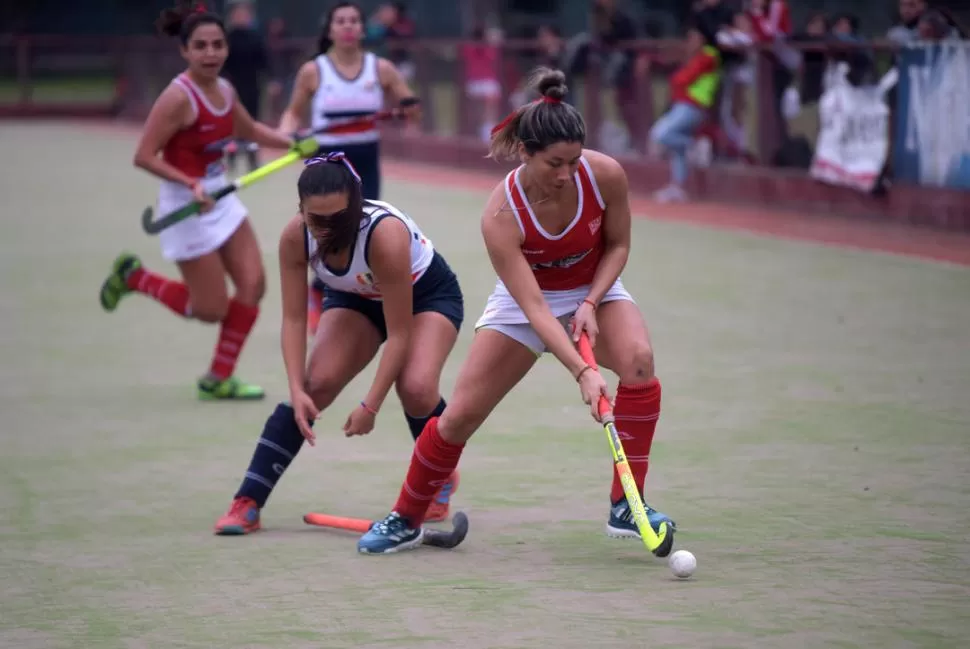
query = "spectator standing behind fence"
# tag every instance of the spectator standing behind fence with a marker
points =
(283, 63)
(845, 29)
(772, 25)
(481, 57)
(739, 74)
(935, 25)
(401, 30)
(813, 62)
(610, 27)
(550, 52)
(244, 68)
(907, 29)
(693, 89)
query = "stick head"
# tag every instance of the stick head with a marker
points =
(666, 536)
(445, 539)
(146, 220)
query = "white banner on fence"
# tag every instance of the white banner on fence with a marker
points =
(853, 141)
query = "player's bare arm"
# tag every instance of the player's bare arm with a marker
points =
(612, 181)
(397, 88)
(304, 86)
(293, 289)
(390, 261)
(503, 240)
(171, 113)
(248, 129)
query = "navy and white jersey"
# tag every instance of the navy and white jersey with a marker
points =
(357, 278)
(335, 93)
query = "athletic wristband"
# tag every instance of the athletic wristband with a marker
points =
(368, 408)
(580, 374)
(409, 101)
(590, 302)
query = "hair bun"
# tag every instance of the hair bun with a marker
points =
(170, 21)
(550, 83)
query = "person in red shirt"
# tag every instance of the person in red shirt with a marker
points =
(557, 230)
(693, 89)
(771, 24)
(771, 20)
(481, 57)
(190, 123)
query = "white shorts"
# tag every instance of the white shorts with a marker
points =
(198, 235)
(484, 89)
(503, 314)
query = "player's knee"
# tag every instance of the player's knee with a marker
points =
(251, 290)
(638, 366)
(459, 422)
(209, 309)
(418, 393)
(322, 388)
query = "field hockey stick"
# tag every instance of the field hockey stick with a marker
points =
(435, 538)
(659, 543)
(342, 119)
(303, 148)
(305, 145)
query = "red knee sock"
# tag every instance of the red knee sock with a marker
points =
(636, 410)
(174, 295)
(432, 462)
(235, 328)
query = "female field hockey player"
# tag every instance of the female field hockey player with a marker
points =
(557, 230)
(385, 284)
(190, 122)
(345, 81)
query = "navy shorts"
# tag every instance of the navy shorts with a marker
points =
(437, 291)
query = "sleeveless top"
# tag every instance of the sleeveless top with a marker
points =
(347, 98)
(197, 150)
(567, 260)
(357, 277)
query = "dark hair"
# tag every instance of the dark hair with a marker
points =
(822, 16)
(850, 18)
(324, 43)
(321, 177)
(938, 21)
(184, 18)
(543, 122)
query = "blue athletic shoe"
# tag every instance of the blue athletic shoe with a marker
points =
(393, 534)
(622, 526)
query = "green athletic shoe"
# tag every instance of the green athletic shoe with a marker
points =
(229, 389)
(115, 286)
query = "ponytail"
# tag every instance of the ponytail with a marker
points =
(541, 123)
(182, 20)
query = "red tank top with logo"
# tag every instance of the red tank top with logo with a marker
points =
(197, 150)
(569, 259)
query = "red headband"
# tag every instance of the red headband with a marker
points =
(508, 118)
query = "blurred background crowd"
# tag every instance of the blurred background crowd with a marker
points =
(734, 81)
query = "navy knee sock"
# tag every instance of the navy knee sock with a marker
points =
(278, 445)
(417, 424)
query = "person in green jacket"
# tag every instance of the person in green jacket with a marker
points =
(693, 90)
